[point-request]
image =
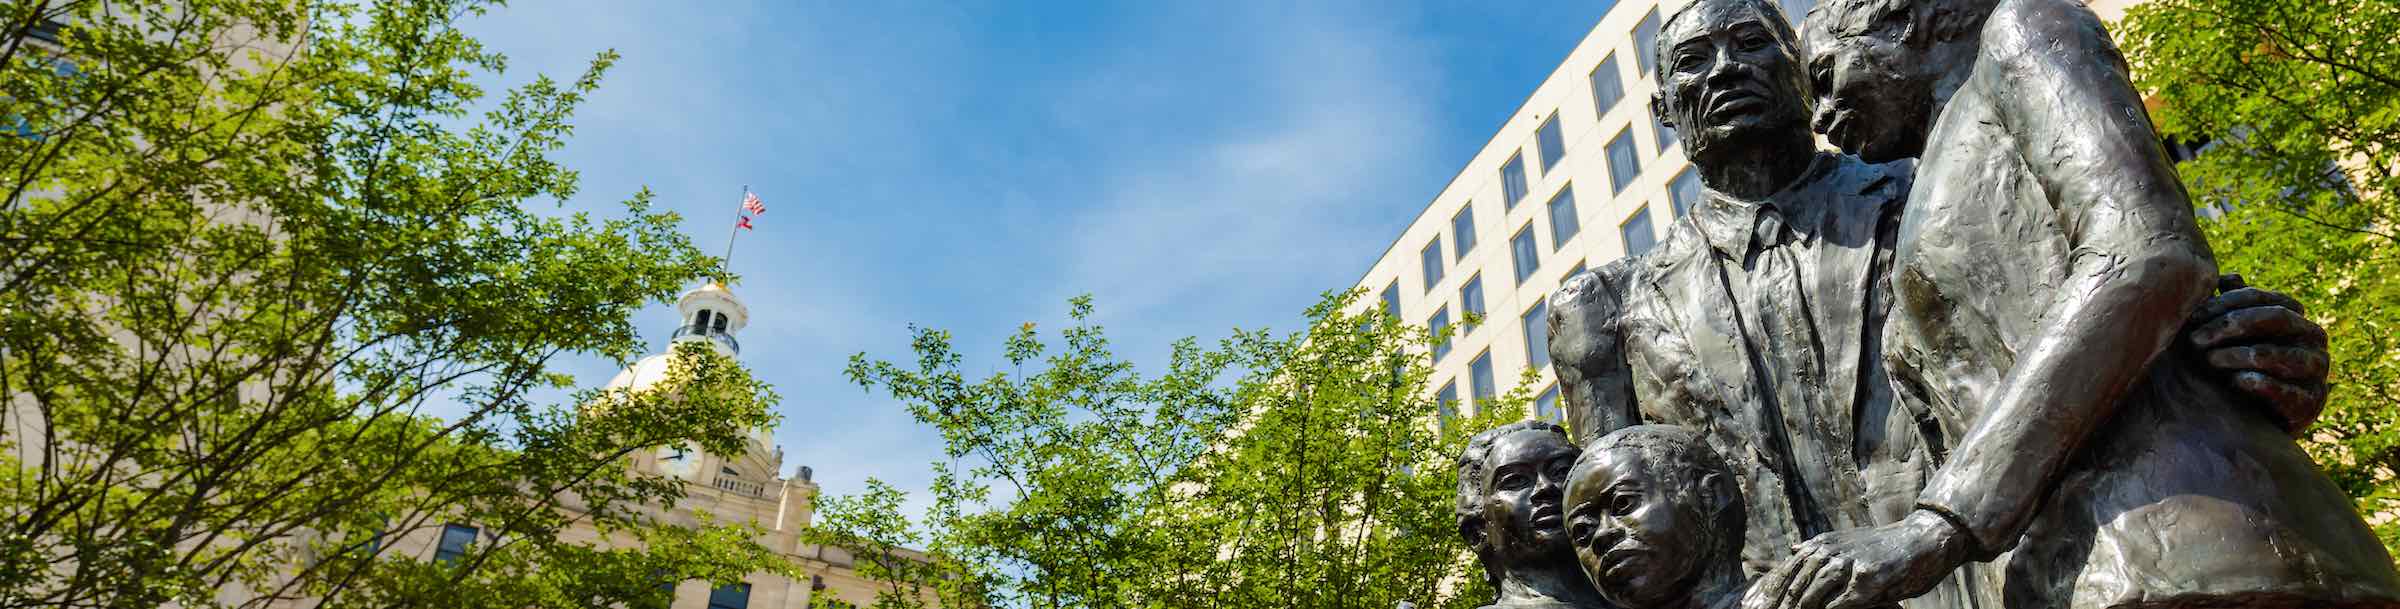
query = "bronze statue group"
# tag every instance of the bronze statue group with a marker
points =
(1982, 358)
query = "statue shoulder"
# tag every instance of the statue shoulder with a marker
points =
(2023, 32)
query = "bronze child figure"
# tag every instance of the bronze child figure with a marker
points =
(1656, 518)
(1510, 483)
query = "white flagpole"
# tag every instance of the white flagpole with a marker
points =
(734, 233)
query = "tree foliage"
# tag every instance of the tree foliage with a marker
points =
(246, 244)
(1294, 470)
(2301, 101)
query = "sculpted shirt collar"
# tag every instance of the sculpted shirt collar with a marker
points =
(1728, 223)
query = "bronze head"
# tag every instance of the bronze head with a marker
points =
(1730, 72)
(1510, 483)
(1651, 511)
(1880, 68)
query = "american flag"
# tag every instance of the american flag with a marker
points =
(750, 203)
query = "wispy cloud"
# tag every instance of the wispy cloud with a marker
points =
(967, 165)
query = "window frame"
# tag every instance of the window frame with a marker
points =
(441, 546)
(1527, 321)
(1546, 137)
(1474, 286)
(1621, 178)
(1517, 255)
(742, 602)
(1649, 231)
(1462, 237)
(1616, 81)
(1677, 203)
(1432, 262)
(1441, 345)
(1480, 369)
(1515, 185)
(1574, 221)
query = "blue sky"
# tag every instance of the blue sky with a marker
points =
(1195, 166)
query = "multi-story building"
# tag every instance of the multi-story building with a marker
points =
(1580, 174)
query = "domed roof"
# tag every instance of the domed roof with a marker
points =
(642, 374)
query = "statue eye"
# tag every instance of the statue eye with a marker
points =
(1581, 532)
(1513, 481)
(1754, 41)
(1624, 503)
(1686, 62)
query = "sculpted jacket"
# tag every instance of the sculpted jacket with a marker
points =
(1779, 369)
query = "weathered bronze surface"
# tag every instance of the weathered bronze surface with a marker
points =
(1656, 520)
(1510, 483)
(2058, 374)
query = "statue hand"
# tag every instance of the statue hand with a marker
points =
(2263, 344)
(1866, 567)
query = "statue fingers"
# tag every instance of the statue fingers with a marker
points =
(2258, 324)
(1778, 587)
(1832, 577)
(2297, 404)
(2279, 361)
(2246, 297)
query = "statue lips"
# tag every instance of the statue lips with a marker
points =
(1546, 518)
(1618, 559)
(1725, 104)
(1837, 130)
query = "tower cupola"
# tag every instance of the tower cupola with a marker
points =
(712, 313)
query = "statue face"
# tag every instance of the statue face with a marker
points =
(1732, 76)
(1522, 515)
(1639, 536)
(1875, 96)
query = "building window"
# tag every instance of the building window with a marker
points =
(1527, 257)
(1479, 378)
(1552, 143)
(1666, 134)
(1470, 303)
(1431, 257)
(1578, 270)
(1462, 230)
(1637, 233)
(456, 538)
(1563, 222)
(1445, 404)
(1608, 86)
(1441, 342)
(1645, 44)
(1391, 299)
(701, 320)
(1536, 323)
(1512, 179)
(1684, 191)
(1794, 10)
(1545, 407)
(730, 596)
(1623, 165)
(718, 324)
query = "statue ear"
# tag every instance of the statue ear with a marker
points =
(1658, 109)
(1471, 530)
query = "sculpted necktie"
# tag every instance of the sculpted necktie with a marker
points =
(1787, 344)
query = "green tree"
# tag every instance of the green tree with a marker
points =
(870, 527)
(247, 243)
(1275, 470)
(2300, 101)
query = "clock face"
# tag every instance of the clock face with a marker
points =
(677, 462)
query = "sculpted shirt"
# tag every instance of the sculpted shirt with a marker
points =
(1758, 323)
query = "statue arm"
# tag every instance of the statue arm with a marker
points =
(2137, 268)
(1587, 348)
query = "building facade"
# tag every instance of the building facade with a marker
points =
(746, 488)
(1581, 174)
